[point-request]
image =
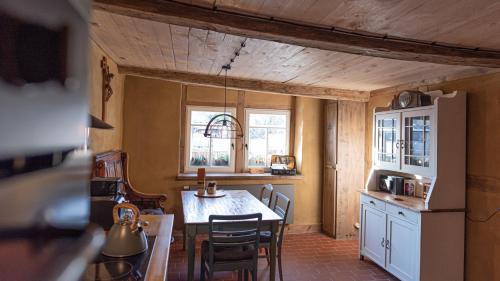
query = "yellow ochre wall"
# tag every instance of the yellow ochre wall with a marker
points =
(152, 111)
(483, 168)
(104, 140)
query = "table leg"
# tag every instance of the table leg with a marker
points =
(272, 252)
(191, 250)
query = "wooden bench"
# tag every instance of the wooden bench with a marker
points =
(114, 164)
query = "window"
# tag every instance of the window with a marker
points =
(267, 133)
(202, 152)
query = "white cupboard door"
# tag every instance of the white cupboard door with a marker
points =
(386, 150)
(373, 234)
(402, 246)
(418, 132)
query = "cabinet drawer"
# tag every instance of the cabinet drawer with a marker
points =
(372, 202)
(402, 213)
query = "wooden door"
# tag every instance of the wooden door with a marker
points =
(373, 234)
(350, 166)
(329, 171)
(402, 247)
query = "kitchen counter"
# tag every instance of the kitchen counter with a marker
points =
(413, 203)
(161, 226)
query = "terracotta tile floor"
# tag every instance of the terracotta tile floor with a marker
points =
(305, 257)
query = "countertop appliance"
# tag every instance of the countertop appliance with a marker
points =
(126, 237)
(392, 184)
(132, 268)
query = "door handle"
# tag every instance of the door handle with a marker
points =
(382, 243)
(397, 144)
(371, 202)
(387, 244)
(401, 213)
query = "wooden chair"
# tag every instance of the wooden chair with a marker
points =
(114, 164)
(281, 207)
(266, 194)
(229, 250)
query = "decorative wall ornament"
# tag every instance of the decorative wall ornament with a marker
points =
(107, 91)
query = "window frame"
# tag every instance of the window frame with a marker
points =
(187, 143)
(249, 111)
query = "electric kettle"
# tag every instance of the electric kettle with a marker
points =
(126, 237)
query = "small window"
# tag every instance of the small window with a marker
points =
(202, 152)
(267, 133)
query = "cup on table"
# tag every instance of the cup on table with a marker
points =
(201, 191)
(212, 187)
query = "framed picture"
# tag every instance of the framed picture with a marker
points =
(409, 187)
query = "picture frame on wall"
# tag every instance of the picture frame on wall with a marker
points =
(409, 187)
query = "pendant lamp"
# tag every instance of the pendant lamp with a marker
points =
(224, 126)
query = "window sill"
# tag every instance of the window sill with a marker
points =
(238, 176)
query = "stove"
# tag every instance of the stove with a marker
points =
(131, 268)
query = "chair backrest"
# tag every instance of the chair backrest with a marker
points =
(233, 231)
(281, 207)
(266, 194)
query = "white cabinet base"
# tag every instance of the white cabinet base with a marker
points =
(425, 246)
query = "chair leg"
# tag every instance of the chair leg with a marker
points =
(210, 274)
(184, 239)
(240, 275)
(267, 256)
(245, 274)
(254, 274)
(202, 269)
(280, 268)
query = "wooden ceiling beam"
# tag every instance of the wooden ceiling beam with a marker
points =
(246, 84)
(299, 34)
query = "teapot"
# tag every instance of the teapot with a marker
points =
(126, 237)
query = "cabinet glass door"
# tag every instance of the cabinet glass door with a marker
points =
(417, 140)
(387, 154)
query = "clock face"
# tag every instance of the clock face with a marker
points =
(404, 99)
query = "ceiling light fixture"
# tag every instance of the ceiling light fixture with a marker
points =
(224, 126)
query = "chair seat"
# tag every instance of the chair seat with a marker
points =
(265, 237)
(228, 253)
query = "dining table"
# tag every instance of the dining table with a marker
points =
(235, 202)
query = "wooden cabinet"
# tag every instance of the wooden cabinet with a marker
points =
(343, 172)
(404, 140)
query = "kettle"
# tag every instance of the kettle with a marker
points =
(126, 237)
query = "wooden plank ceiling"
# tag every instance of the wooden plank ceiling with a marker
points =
(148, 44)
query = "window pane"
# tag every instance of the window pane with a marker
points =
(200, 147)
(221, 151)
(202, 117)
(276, 140)
(206, 152)
(257, 147)
(268, 120)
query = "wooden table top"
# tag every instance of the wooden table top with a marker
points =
(236, 202)
(161, 226)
